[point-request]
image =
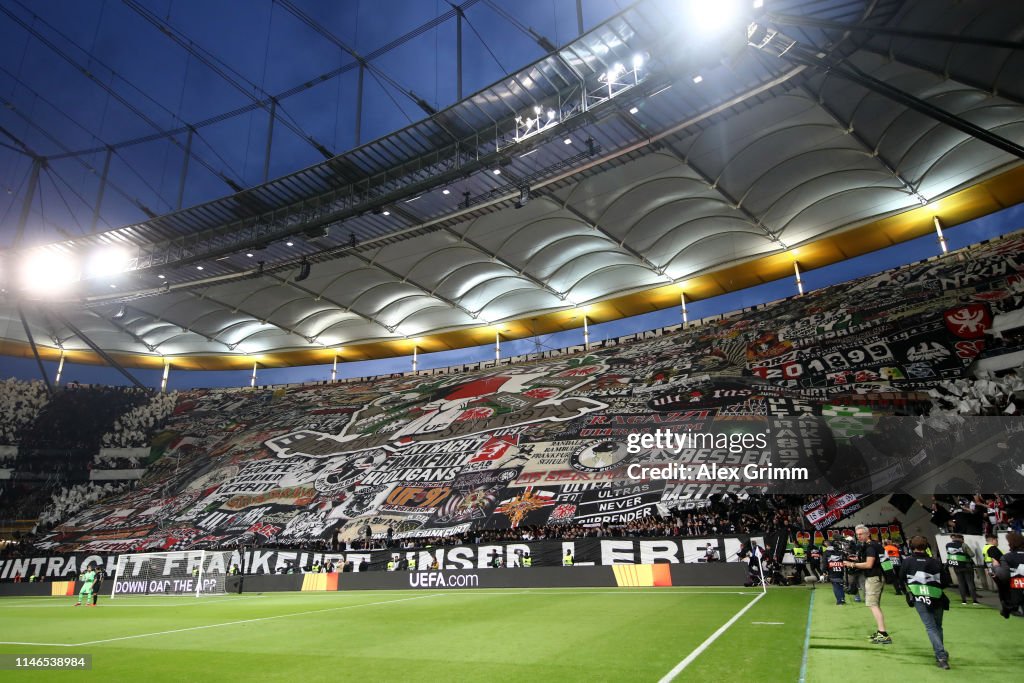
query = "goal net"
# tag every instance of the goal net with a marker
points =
(188, 572)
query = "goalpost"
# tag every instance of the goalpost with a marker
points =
(185, 572)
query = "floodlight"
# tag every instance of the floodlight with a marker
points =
(47, 271)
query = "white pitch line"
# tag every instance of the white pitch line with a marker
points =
(249, 621)
(707, 643)
(768, 623)
(228, 623)
(122, 603)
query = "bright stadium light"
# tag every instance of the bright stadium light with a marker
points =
(48, 272)
(107, 262)
(638, 61)
(711, 17)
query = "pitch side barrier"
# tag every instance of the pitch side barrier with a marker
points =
(585, 551)
(618, 576)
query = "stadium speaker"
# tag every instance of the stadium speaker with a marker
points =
(303, 271)
(524, 196)
(902, 502)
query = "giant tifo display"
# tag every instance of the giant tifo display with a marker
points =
(548, 442)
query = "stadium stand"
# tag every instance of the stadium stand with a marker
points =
(498, 454)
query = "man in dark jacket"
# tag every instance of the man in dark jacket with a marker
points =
(96, 585)
(960, 559)
(1010, 576)
(922, 575)
(832, 564)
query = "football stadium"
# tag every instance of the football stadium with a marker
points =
(495, 340)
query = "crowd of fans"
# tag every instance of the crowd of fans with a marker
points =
(21, 546)
(980, 514)
(134, 428)
(722, 515)
(70, 500)
(20, 404)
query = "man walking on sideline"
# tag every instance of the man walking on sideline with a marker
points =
(922, 575)
(870, 561)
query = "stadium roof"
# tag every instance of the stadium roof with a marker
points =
(643, 159)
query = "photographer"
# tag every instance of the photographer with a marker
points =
(833, 564)
(960, 559)
(924, 592)
(891, 566)
(870, 561)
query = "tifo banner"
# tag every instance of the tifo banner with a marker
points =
(814, 393)
(823, 512)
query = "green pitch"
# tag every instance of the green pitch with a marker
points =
(558, 634)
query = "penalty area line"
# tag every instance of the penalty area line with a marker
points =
(707, 643)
